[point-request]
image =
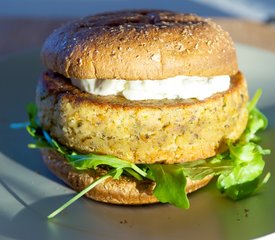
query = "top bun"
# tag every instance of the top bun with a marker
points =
(141, 45)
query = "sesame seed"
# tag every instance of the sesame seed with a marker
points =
(155, 57)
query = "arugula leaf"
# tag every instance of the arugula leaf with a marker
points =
(170, 184)
(82, 162)
(247, 158)
(112, 173)
(32, 112)
(171, 179)
(256, 121)
(209, 167)
(19, 125)
(248, 165)
(253, 102)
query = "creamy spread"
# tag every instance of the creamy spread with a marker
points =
(179, 87)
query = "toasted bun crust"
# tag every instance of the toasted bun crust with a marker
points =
(149, 131)
(141, 45)
(126, 190)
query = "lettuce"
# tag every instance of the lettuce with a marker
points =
(239, 169)
(170, 184)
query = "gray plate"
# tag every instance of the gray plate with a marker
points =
(28, 192)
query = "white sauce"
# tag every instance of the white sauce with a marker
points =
(179, 87)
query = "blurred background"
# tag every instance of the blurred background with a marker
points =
(26, 23)
(261, 10)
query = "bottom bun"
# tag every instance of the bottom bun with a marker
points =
(126, 190)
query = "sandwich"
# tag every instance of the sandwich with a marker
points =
(146, 106)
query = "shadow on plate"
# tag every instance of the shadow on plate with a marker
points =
(87, 218)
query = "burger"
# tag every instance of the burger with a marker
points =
(146, 106)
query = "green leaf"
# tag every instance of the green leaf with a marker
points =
(245, 153)
(256, 121)
(112, 173)
(170, 184)
(241, 173)
(88, 161)
(118, 172)
(32, 112)
(132, 173)
(253, 102)
(19, 125)
(247, 158)
(197, 170)
(39, 144)
(239, 191)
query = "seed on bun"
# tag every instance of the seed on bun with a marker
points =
(138, 45)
